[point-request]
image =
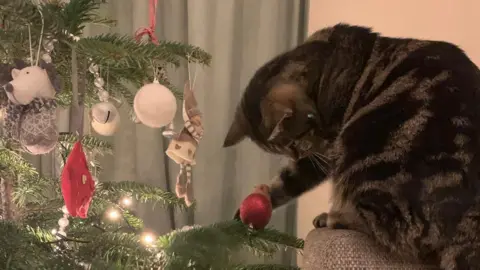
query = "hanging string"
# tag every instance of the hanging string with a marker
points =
(30, 44)
(156, 72)
(41, 35)
(190, 81)
(150, 31)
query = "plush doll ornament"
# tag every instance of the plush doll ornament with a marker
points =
(77, 183)
(30, 114)
(256, 208)
(183, 146)
(155, 105)
(105, 118)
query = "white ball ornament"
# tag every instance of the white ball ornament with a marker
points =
(155, 105)
(63, 222)
(105, 118)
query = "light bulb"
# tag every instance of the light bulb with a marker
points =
(126, 201)
(148, 238)
(113, 214)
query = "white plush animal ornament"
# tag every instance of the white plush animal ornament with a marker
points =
(31, 107)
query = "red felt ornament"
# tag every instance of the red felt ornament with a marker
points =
(256, 208)
(77, 183)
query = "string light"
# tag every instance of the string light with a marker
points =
(126, 201)
(113, 214)
(148, 238)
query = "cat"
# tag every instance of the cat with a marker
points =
(394, 122)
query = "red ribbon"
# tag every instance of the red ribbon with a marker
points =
(150, 31)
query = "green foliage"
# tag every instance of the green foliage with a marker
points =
(89, 143)
(142, 192)
(124, 63)
(13, 162)
(27, 248)
(27, 242)
(197, 246)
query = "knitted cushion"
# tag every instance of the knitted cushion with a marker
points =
(341, 249)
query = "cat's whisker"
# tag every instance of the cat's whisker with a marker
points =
(323, 158)
(318, 163)
(315, 165)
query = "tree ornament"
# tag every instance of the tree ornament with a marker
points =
(256, 208)
(105, 118)
(30, 115)
(183, 146)
(155, 105)
(77, 183)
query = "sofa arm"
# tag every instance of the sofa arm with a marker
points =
(342, 249)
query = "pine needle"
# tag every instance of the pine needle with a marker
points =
(142, 192)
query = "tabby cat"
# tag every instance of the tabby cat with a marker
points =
(395, 122)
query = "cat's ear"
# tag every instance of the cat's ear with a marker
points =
(279, 106)
(279, 127)
(237, 131)
(273, 116)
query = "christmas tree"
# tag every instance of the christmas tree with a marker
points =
(38, 229)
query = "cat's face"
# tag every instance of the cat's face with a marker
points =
(276, 111)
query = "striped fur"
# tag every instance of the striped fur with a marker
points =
(394, 122)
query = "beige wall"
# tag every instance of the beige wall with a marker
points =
(456, 21)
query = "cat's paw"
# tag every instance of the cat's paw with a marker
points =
(331, 221)
(320, 221)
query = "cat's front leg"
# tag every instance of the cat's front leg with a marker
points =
(299, 177)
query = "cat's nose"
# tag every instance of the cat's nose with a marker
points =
(8, 87)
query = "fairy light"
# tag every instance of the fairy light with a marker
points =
(113, 214)
(147, 238)
(126, 201)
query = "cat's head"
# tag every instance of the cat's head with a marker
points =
(278, 110)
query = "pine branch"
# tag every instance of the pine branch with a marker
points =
(116, 247)
(23, 12)
(142, 192)
(13, 162)
(201, 243)
(133, 221)
(76, 14)
(24, 248)
(33, 190)
(89, 142)
(114, 50)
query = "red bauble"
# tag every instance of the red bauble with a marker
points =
(256, 210)
(77, 183)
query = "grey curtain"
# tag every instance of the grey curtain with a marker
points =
(241, 35)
